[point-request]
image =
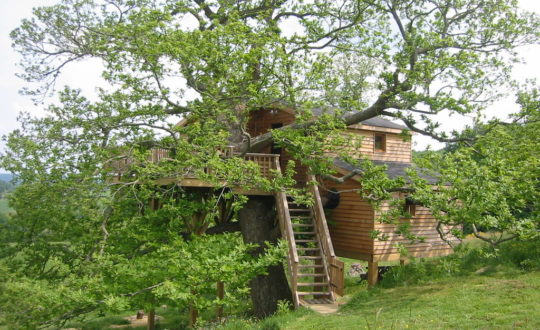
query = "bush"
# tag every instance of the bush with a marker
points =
(512, 255)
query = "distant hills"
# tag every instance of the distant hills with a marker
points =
(6, 177)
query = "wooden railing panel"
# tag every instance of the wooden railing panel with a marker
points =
(337, 275)
(287, 233)
(334, 265)
(266, 162)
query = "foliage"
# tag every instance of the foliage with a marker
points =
(187, 271)
(514, 256)
(80, 227)
(494, 180)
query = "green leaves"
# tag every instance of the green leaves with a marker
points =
(493, 182)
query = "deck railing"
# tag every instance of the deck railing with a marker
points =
(334, 266)
(266, 162)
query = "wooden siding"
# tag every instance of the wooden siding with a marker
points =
(422, 224)
(351, 223)
(261, 122)
(361, 142)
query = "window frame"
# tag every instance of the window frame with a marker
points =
(409, 208)
(383, 142)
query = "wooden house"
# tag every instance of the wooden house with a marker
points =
(315, 272)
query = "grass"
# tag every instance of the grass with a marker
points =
(475, 302)
(476, 288)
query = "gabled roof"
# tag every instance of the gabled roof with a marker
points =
(375, 121)
(393, 169)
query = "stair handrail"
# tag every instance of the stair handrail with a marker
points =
(287, 233)
(325, 239)
(320, 218)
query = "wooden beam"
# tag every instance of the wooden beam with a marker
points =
(353, 254)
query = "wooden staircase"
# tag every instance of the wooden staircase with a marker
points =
(316, 275)
(312, 277)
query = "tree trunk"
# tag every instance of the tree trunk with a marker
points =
(258, 224)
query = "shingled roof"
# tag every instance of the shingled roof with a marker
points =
(375, 121)
(393, 169)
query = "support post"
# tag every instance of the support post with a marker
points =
(193, 314)
(220, 295)
(151, 321)
(373, 273)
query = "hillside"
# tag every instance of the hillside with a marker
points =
(472, 289)
(6, 177)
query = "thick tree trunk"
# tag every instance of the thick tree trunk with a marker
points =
(258, 224)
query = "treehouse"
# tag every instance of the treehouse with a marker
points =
(340, 222)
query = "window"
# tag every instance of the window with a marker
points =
(379, 143)
(409, 208)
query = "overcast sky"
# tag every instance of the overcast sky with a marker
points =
(86, 76)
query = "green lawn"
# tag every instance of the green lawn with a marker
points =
(473, 302)
(496, 301)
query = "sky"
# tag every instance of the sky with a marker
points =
(86, 75)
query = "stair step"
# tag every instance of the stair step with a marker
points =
(302, 225)
(304, 233)
(310, 257)
(312, 284)
(308, 249)
(310, 266)
(305, 241)
(319, 301)
(311, 275)
(320, 293)
(298, 210)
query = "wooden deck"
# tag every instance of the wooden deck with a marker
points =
(265, 162)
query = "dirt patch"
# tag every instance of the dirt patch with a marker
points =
(135, 322)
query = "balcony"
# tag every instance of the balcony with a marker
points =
(267, 164)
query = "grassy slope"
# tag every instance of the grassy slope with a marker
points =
(473, 302)
(468, 290)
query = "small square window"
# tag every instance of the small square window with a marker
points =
(409, 208)
(379, 143)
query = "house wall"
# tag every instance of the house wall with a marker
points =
(422, 224)
(351, 223)
(359, 142)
